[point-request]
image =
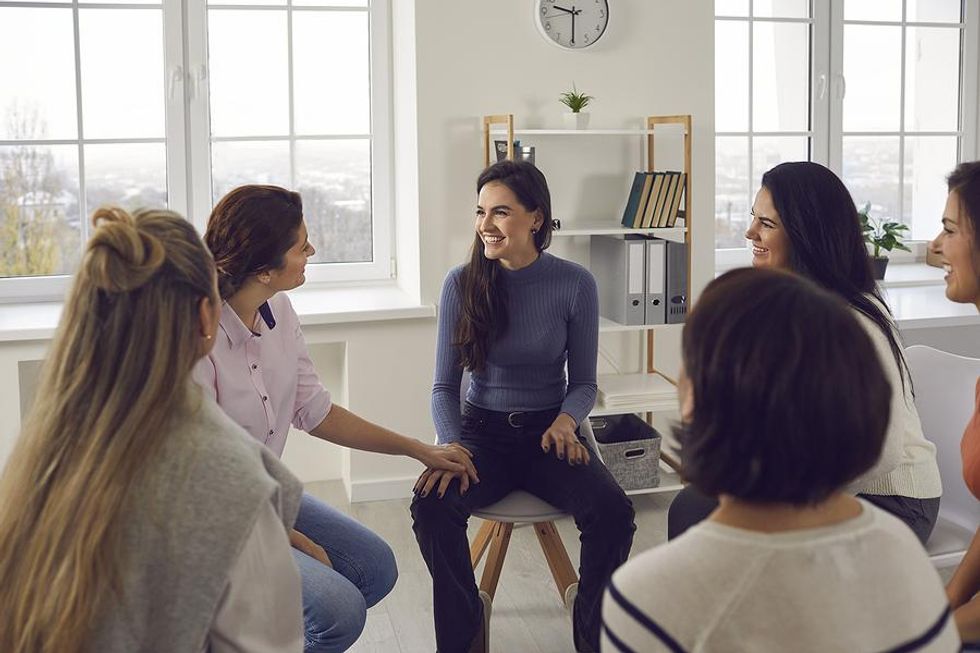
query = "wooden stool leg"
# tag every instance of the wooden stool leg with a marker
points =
(495, 559)
(480, 542)
(554, 552)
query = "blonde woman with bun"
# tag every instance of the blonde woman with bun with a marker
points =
(136, 516)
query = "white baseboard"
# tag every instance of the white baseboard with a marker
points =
(380, 489)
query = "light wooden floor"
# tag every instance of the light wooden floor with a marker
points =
(528, 616)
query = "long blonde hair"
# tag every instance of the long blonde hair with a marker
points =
(118, 370)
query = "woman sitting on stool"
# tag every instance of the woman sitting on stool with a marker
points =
(513, 316)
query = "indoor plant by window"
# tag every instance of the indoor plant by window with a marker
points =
(575, 101)
(882, 236)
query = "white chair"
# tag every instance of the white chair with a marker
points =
(944, 397)
(520, 507)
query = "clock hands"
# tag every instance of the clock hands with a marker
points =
(573, 12)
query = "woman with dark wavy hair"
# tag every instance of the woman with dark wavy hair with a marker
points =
(513, 317)
(260, 373)
(958, 246)
(804, 221)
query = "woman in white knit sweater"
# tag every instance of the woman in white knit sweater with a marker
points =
(804, 221)
(789, 561)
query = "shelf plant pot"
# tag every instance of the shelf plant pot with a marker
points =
(878, 265)
(578, 120)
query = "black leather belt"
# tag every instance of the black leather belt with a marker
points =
(516, 419)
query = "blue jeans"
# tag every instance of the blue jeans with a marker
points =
(335, 601)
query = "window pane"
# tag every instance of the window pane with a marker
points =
(37, 100)
(122, 73)
(731, 7)
(872, 60)
(39, 225)
(331, 98)
(873, 10)
(246, 2)
(235, 164)
(732, 191)
(330, 3)
(871, 173)
(928, 159)
(781, 76)
(249, 84)
(334, 178)
(768, 152)
(781, 8)
(132, 175)
(932, 78)
(933, 11)
(731, 76)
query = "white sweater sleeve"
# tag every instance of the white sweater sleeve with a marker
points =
(261, 610)
(903, 416)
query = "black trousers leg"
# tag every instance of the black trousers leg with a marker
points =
(604, 516)
(440, 530)
(687, 509)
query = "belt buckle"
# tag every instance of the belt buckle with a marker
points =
(512, 419)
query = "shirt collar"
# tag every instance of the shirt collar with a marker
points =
(235, 329)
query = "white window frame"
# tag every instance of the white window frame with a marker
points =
(187, 135)
(828, 87)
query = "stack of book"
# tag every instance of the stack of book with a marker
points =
(654, 200)
(623, 390)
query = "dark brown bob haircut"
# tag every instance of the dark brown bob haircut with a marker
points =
(250, 230)
(790, 399)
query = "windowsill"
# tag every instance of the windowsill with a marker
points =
(916, 294)
(314, 305)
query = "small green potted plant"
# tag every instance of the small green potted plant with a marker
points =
(575, 101)
(881, 235)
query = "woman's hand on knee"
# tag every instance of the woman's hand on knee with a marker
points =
(309, 547)
(561, 437)
(440, 479)
(453, 458)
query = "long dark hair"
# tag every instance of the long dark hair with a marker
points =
(484, 315)
(965, 181)
(250, 230)
(826, 243)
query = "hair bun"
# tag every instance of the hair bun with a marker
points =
(121, 257)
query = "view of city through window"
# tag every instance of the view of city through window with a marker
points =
(88, 127)
(899, 129)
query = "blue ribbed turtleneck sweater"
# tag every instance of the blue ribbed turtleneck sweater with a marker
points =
(553, 317)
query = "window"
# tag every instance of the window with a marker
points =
(149, 104)
(71, 135)
(762, 104)
(885, 86)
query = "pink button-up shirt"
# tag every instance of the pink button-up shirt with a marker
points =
(263, 377)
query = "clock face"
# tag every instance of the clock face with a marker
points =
(572, 24)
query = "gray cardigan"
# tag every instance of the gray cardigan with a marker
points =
(185, 526)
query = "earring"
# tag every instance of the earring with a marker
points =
(207, 336)
(534, 231)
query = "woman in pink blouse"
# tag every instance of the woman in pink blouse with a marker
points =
(260, 373)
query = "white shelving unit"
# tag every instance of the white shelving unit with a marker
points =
(502, 127)
(605, 229)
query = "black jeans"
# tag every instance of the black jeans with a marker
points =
(690, 507)
(508, 456)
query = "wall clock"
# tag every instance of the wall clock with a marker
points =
(571, 24)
